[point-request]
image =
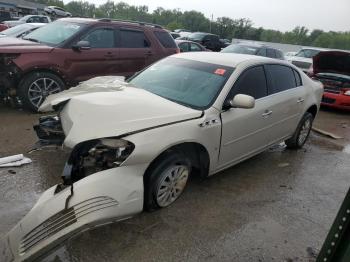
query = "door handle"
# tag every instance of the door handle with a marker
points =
(149, 53)
(109, 55)
(267, 113)
(300, 100)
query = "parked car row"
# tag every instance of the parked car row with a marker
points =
(70, 50)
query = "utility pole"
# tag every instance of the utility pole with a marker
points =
(211, 19)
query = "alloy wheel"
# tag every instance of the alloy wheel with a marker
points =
(172, 185)
(42, 88)
(304, 132)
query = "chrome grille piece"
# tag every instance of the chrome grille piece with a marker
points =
(64, 219)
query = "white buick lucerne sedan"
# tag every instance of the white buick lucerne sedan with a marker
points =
(133, 145)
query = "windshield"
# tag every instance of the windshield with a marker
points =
(307, 53)
(241, 49)
(196, 36)
(54, 33)
(187, 82)
(24, 18)
(13, 31)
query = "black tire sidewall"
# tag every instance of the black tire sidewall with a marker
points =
(155, 175)
(26, 82)
(293, 142)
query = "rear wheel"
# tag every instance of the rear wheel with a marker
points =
(35, 87)
(166, 182)
(301, 133)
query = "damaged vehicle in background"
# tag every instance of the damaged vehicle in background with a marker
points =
(332, 68)
(70, 50)
(303, 58)
(133, 145)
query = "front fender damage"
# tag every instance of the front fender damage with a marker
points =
(104, 197)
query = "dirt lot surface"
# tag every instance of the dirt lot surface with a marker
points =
(277, 206)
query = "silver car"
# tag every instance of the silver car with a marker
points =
(56, 11)
(20, 30)
(133, 145)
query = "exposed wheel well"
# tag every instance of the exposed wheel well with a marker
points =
(312, 110)
(197, 154)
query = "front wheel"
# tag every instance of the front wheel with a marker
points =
(301, 133)
(166, 181)
(35, 87)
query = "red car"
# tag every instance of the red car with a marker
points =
(70, 50)
(3, 27)
(332, 68)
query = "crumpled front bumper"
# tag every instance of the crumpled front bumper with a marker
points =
(104, 197)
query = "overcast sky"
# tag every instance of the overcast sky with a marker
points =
(272, 14)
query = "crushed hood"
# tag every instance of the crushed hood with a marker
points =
(19, 45)
(107, 107)
(337, 62)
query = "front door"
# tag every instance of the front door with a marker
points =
(100, 59)
(246, 131)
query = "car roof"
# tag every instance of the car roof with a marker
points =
(111, 22)
(225, 59)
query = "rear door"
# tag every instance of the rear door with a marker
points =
(135, 51)
(287, 96)
(246, 131)
(100, 59)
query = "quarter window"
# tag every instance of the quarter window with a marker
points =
(132, 39)
(282, 78)
(252, 82)
(100, 38)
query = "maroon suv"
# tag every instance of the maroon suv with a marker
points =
(70, 50)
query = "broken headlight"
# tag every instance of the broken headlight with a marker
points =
(95, 156)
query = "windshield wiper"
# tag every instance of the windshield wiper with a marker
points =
(32, 39)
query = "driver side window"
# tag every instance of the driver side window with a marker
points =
(251, 82)
(100, 38)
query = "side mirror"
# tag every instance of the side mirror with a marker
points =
(81, 45)
(242, 101)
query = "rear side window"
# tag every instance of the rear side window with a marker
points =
(165, 39)
(298, 80)
(43, 19)
(184, 47)
(195, 47)
(261, 52)
(279, 54)
(282, 78)
(252, 82)
(270, 53)
(132, 39)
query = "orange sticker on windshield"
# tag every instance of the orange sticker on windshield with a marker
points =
(220, 71)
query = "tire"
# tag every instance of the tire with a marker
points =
(160, 190)
(301, 133)
(36, 86)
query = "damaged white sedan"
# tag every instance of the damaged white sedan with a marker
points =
(134, 144)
